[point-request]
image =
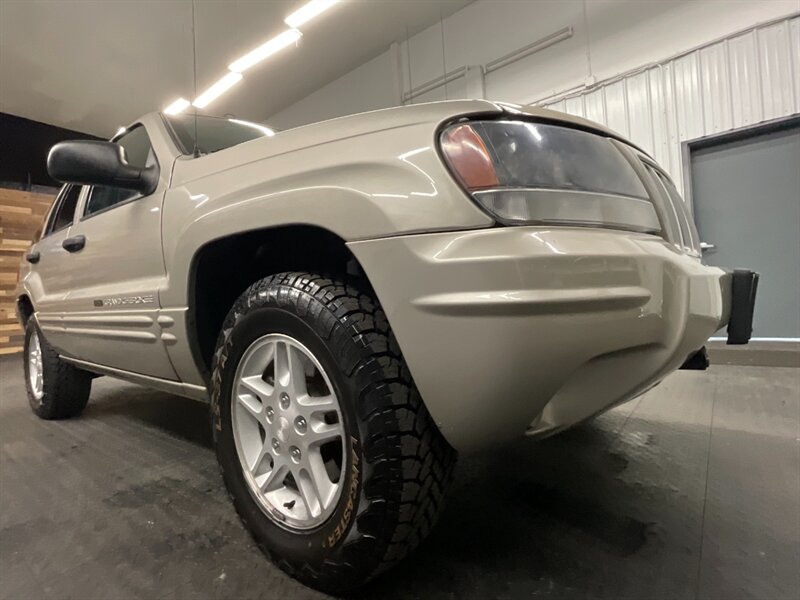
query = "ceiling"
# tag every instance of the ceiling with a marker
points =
(94, 65)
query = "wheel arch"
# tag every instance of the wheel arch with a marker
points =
(25, 309)
(222, 269)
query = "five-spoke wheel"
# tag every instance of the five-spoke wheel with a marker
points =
(35, 366)
(324, 444)
(56, 390)
(288, 431)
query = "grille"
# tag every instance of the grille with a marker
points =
(680, 227)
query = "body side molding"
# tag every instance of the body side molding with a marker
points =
(187, 390)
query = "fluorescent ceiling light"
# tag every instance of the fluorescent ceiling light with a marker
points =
(279, 42)
(176, 107)
(262, 128)
(308, 12)
(217, 90)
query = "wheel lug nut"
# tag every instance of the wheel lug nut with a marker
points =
(270, 413)
(296, 455)
(300, 425)
(284, 400)
(276, 446)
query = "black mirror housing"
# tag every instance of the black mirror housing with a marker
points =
(99, 163)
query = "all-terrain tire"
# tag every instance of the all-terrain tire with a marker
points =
(65, 389)
(398, 465)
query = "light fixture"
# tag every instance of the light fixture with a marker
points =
(176, 107)
(279, 42)
(308, 12)
(299, 17)
(216, 90)
(262, 128)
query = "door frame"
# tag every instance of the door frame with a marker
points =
(725, 137)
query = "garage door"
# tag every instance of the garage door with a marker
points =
(746, 196)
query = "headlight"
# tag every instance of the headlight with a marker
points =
(533, 173)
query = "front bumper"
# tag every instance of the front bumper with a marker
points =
(530, 328)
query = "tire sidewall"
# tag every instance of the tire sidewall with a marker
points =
(65, 389)
(309, 546)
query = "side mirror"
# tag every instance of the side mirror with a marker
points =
(99, 163)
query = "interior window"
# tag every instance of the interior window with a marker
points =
(138, 153)
(64, 212)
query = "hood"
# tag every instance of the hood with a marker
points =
(434, 114)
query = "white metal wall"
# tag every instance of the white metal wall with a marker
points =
(741, 80)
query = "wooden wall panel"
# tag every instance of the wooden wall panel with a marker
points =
(21, 216)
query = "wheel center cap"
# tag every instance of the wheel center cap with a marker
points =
(283, 429)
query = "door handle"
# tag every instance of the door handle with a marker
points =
(74, 244)
(33, 257)
(704, 246)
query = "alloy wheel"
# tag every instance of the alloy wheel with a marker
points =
(288, 431)
(35, 366)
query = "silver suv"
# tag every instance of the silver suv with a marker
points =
(364, 298)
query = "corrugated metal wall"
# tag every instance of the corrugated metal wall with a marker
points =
(744, 79)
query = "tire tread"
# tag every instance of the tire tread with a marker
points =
(67, 388)
(409, 464)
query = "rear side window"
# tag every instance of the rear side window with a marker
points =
(64, 212)
(138, 153)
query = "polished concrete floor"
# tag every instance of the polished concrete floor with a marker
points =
(692, 491)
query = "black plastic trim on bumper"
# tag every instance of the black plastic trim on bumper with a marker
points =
(743, 300)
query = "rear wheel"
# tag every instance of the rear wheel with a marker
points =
(56, 390)
(332, 460)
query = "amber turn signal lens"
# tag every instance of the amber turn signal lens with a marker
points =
(467, 155)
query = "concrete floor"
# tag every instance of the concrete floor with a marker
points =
(692, 491)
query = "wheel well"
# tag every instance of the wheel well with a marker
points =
(25, 310)
(223, 269)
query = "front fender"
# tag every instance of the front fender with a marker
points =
(376, 185)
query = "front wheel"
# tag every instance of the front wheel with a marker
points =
(332, 460)
(56, 390)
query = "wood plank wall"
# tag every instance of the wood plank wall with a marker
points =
(21, 216)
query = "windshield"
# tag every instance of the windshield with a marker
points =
(213, 133)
